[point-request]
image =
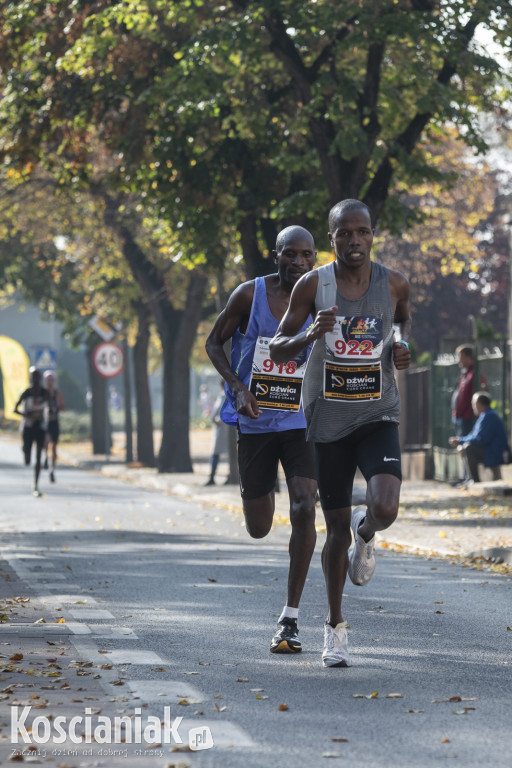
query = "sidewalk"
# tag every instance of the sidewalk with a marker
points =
(435, 520)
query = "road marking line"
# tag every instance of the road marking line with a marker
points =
(225, 733)
(116, 633)
(90, 613)
(152, 690)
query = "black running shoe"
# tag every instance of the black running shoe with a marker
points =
(285, 640)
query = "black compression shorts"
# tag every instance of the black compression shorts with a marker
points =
(53, 431)
(259, 455)
(374, 448)
(34, 434)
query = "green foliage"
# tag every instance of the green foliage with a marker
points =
(485, 330)
(425, 358)
(212, 111)
(74, 426)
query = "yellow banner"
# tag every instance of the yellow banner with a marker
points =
(14, 363)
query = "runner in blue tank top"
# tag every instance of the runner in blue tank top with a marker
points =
(263, 400)
(350, 399)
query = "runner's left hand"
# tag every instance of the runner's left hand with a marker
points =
(401, 356)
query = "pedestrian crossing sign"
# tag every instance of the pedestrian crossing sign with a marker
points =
(45, 357)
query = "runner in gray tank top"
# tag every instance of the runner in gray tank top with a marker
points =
(350, 399)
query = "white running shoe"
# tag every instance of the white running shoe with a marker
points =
(336, 646)
(361, 557)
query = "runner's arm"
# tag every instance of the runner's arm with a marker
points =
(236, 311)
(288, 342)
(400, 288)
(61, 403)
(23, 397)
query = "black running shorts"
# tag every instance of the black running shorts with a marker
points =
(374, 448)
(259, 455)
(34, 434)
(53, 431)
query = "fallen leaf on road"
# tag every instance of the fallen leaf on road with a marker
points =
(454, 698)
(243, 680)
(339, 738)
(283, 707)
(445, 741)
(414, 711)
(220, 709)
(463, 711)
(213, 580)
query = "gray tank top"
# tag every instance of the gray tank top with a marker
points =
(330, 419)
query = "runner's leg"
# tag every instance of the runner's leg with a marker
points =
(37, 468)
(259, 514)
(302, 492)
(257, 465)
(382, 499)
(335, 559)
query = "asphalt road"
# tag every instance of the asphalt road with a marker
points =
(180, 605)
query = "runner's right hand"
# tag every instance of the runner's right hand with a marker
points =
(324, 322)
(246, 404)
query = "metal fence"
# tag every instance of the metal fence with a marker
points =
(427, 414)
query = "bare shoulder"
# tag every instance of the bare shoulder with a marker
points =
(306, 287)
(240, 300)
(398, 283)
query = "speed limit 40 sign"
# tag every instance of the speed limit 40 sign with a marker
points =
(107, 359)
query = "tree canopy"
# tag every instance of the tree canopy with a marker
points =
(199, 128)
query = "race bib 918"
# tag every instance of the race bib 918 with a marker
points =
(276, 385)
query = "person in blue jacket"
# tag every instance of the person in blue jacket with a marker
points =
(487, 443)
(263, 402)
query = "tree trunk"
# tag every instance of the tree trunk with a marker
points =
(128, 427)
(145, 446)
(177, 331)
(255, 264)
(177, 340)
(100, 426)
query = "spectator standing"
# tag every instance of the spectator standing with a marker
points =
(462, 412)
(220, 435)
